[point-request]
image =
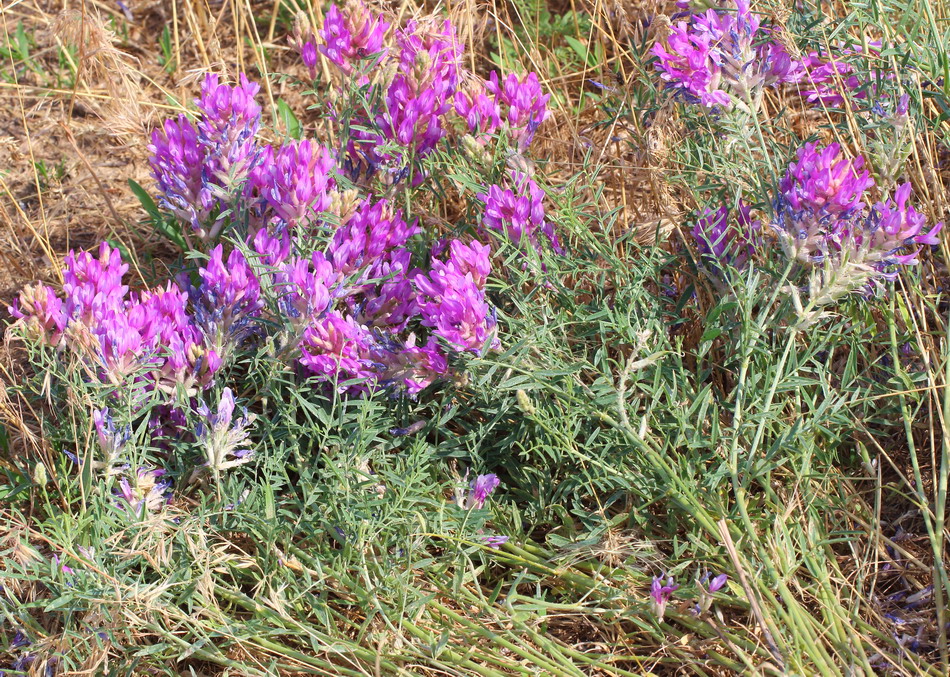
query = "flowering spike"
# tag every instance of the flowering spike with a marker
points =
(351, 35)
(722, 58)
(518, 212)
(524, 101)
(223, 436)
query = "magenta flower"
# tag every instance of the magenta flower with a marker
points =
(308, 55)
(416, 101)
(305, 42)
(518, 212)
(495, 542)
(177, 160)
(272, 248)
(480, 111)
(723, 241)
(304, 288)
(820, 214)
(430, 59)
(894, 224)
(227, 301)
(69, 571)
(351, 35)
(131, 339)
(336, 349)
(823, 180)
(715, 585)
(479, 491)
(200, 171)
(828, 78)
(41, 311)
(662, 592)
(369, 236)
(294, 184)
(417, 367)
(93, 287)
(230, 116)
(389, 305)
(524, 102)
(471, 260)
(721, 58)
(454, 306)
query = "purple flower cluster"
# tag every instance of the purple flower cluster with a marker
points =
(292, 185)
(147, 491)
(145, 339)
(828, 77)
(525, 103)
(419, 89)
(723, 58)
(216, 173)
(201, 170)
(350, 36)
(222, 436)
(366, 313)
(724, 240)
(227, 301)
(427, 60)
(518, 102)
(518, 212)
(480, 489)
(452, 299)
(821, 213)
(326, 275)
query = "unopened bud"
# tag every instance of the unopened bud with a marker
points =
(524, 403)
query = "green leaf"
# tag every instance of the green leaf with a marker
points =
(171, 231)
(580, 48)
(289, 120)
(148, 204)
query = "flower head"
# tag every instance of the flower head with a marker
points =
(721, 58)
(524, 103)
(200, 170)
(369, 237)
(337, 349)
(722, 240)
(662, 592)
(351, 35)
(518, 212)
(495, 542)
(148, 489)
(453, 304)
(480, 489)
(294, 183)
(41, 311)
(224, 436)
(821, 214)
(228, 299)
(480, 111)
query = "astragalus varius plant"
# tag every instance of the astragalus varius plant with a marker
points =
(316, 257)
(846, 225)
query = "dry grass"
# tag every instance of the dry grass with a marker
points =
(92, 132)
